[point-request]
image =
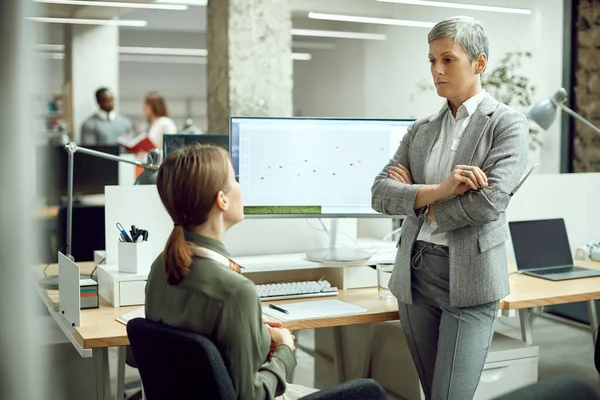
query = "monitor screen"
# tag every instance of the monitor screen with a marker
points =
(90, 174)
(174, 142)
(311, 166)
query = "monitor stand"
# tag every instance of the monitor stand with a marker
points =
(336, 254)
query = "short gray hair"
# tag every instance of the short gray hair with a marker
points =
(466, 31)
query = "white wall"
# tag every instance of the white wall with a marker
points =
(330, 84)
(182, 85)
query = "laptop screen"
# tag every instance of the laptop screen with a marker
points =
(542, 243)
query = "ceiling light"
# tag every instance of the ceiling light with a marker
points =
(163, 51)
(172, 7)
(338, 34)
(184, 53)
(461, 6)
(79, 21)
(51, 56)
(301, 56)
(162, 59)
(50, 47)
(168, 59)
(371, 20)
(186, 2)
(313, 45)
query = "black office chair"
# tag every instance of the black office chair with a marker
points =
(562, 388)
(357, 389)
(597, 352)
(174, 363)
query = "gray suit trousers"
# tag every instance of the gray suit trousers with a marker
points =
(448, 344)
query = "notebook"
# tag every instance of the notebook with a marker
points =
(137, 313)
(313, 309)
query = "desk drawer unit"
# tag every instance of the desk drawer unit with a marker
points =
(510, 364)
(119, 288)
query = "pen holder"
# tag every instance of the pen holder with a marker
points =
(135, 258)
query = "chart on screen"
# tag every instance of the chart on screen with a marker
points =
(325, 163)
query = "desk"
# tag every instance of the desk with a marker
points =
(99, 330)
(528, 292)
(48, 212)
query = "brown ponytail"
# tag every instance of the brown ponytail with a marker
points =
(188, 183)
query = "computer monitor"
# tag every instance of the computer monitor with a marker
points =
(174, 142)
(90, 174)
(311, 167)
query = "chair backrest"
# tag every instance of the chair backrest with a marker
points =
(597, 352)
(174, 363)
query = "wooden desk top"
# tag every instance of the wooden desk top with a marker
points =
(528, 291)
(99, 328)
(48, 212)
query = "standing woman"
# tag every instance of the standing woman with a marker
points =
(452, 176)
(156, 112)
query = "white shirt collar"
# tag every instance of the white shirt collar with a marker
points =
(106, 116)
(470, 105)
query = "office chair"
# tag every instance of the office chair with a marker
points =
(572, 388)
(174, 363)
(357, 389)
(597, 352)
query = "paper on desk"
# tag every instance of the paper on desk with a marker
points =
(137, 313)
(313, 309)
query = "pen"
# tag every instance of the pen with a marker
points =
(278, 309)
(123, 232)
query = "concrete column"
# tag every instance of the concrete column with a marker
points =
(91, 62)
(250, 67)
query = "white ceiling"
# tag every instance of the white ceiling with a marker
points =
(194, 18)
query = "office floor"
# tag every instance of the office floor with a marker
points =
(564, 350)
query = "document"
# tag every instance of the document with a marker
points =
(137, 313)
(140, 143)
(312, 310)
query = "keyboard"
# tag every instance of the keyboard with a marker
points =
(295, 290)
(562, 270)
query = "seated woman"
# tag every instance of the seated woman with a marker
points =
(193, 285)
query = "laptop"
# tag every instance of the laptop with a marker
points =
(542, 250)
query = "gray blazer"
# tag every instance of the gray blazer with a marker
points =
(495, 140)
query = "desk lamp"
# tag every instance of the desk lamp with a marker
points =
(147, 177)
(544, 111)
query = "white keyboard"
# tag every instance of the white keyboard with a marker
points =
(295, 290)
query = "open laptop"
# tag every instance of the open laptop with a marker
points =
(542, 250)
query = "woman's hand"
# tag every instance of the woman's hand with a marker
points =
(462, 179)
(279, 335)
(400, 174)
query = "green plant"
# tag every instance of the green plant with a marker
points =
(506, 85)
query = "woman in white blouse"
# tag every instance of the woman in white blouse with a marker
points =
(156, 112)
